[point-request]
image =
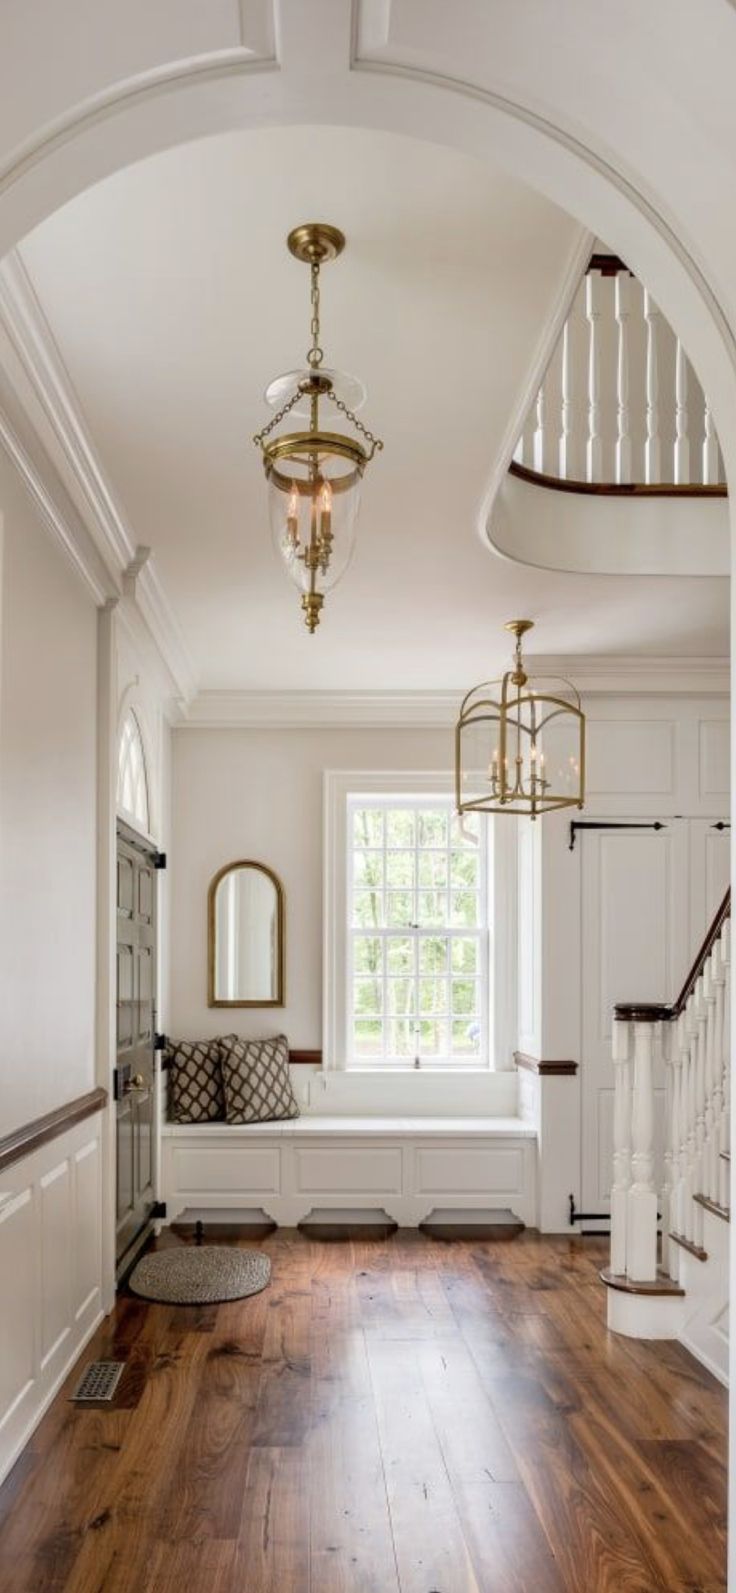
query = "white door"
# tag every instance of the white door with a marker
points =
(648, 898)
(635, 946)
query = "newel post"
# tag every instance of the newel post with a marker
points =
(641, 1229)
(621, 1144)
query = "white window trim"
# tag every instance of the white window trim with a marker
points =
(339, 784)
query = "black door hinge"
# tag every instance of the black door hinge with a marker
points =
(159, 860)
(159, 1208)
(160, 1042)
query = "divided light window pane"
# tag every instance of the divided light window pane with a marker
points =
(132, 792)
(417, 934)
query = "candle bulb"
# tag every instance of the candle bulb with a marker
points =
(325, 525)
(292, 517)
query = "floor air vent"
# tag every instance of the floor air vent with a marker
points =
(99, 1381)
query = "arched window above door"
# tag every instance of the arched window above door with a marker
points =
(132, 793)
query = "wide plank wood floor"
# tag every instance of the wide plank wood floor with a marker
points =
(389, 1416)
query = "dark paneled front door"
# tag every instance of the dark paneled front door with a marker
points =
(134, 1080)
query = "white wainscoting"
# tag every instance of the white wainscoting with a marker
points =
(51, 1266)
(407, 1166)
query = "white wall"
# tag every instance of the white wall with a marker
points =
(649, 758)
(50, 1201)
(47, 820)
(258, 794)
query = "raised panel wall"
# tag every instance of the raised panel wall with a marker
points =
(50, 1264)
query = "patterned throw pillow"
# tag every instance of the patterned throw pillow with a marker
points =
(257, 1082)
(196, 1091)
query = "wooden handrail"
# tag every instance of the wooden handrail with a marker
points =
(609, 265)
(23, 1141)
(617, 489)
(658, 1012)
(723, 913)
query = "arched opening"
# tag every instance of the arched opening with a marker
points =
(133, 801)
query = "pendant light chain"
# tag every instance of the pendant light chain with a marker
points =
(316, 354)
(258, 436)
(375, 442)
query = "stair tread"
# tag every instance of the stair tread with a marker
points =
(687, 1244)
(713, 1206)
(662, 1284)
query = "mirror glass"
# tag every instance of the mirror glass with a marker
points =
(246, 937)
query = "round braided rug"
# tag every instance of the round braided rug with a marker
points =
(200, 1274)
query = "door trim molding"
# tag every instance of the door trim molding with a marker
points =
(23, 1141)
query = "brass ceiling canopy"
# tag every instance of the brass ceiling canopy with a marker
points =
(314, 475)
(520, 742)
(315, 241)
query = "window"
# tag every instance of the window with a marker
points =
(132, 794)
(417, 931)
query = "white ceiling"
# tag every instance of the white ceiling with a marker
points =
(173, 301)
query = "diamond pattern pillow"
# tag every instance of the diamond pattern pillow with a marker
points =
(257, 1082)
(196, 1090)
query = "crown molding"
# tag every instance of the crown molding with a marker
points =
(45, 394)
(631, 674)
(55, 506)
(311, 710)
(438, 710)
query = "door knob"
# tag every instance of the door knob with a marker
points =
(136, 1083)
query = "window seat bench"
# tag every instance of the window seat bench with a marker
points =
(405, 1165)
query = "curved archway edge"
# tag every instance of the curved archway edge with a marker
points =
(141, 118)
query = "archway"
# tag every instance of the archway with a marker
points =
(642, 159)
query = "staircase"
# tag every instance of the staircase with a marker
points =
(674, 1284)
(620, 409)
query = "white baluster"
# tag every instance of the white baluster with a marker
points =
(710, 1172)
(691, 1034)
(682, 441)
(710, 449)
(725, 1136)
(623, 438)
(718, 975)
(621, 1145)
(641, 1232)
(567, 446)
(539, 430)
(677, 1045)
(594, 450)
(667, 1196)
(701, 1013)
(652, 451)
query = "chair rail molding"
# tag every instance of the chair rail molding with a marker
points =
(40, 1131)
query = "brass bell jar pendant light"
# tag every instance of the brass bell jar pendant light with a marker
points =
(520, 742)
(314, 475)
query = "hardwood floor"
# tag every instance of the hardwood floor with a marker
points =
(389, 1416)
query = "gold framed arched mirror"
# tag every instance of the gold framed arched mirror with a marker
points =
(245, 931)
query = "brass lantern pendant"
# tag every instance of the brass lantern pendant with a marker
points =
(314, 475)
(520, 743)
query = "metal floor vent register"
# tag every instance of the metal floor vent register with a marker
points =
(99, 1381)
